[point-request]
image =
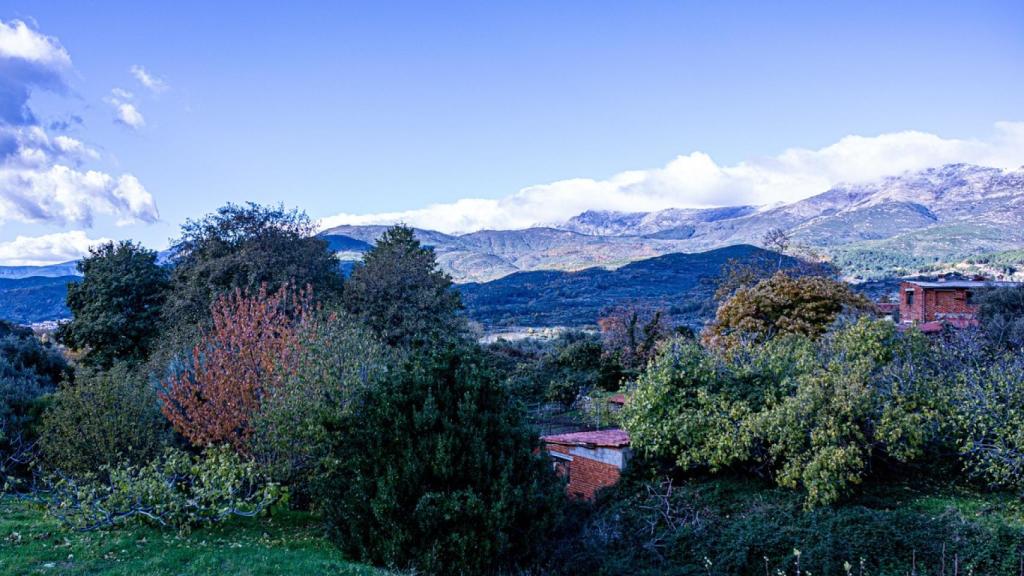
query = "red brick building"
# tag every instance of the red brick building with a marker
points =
(933, 304)
(589, 461)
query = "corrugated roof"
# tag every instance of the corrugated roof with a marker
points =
(614, 438)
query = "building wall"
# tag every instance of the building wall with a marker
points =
(931, 304)
(951, 304)
(914, 311)
(588, 475)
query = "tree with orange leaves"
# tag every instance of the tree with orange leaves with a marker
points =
(631, 335)
(246, 353)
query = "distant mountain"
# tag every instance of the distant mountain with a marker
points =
(50, 271)
(34, 299)
(607, 223)
(339, 243)
(680, 284)
(893, 226)
(163, 258)
(491, 254)
(890, 226)
(955, 217)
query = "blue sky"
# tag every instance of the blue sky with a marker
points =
(483, 114)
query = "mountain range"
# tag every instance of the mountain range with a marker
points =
(50, 271)
(960, 216)
(895, 226)
(681, 285)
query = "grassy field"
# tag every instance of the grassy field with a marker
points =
(288, 543)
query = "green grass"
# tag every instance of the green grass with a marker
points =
(287, 543)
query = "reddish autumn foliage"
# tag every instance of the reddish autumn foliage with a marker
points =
(631, 335)
(247, 352)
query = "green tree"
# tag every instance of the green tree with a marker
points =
(334, 359)
(782, 304)
(244, 248)
(1001, 312)
(630, 336)
(401, 294)
(987, 413)
(106, 418)
(684, 409)
(856, 406)
(813, 415)
(437, 470)
(117, 306)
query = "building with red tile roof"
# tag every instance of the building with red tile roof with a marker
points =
(588, 461)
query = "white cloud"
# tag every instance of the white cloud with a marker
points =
(696, 180)
(125, 112)
(28, 61)
(48, 249)
(63, 195)
(41, 175)
(19, 41)
(130, 116)
(148, 80)
(32, 147)
(71, 147)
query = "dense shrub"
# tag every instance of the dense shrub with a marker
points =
(732, 526)
(689, 408)
(1001, 312)
(986, 415)
(21, 401)
(577, 365)
(334, 359)
(19, 391)
(176, 490)
(32, 358)
(106, 418)
(781, 304)
(630, 336)
(562, 370)
(29, 370)
(813, 415)
(436, 469)
(855, 407)
(248, 351)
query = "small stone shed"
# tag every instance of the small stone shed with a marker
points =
(589, 461)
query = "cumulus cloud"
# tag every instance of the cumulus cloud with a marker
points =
(47, 249)
(28, 60)
(129, 115)
(42, 178)
(695, 180)
(148, 80)
(63, 195)
(126, 112)
(18, 41)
